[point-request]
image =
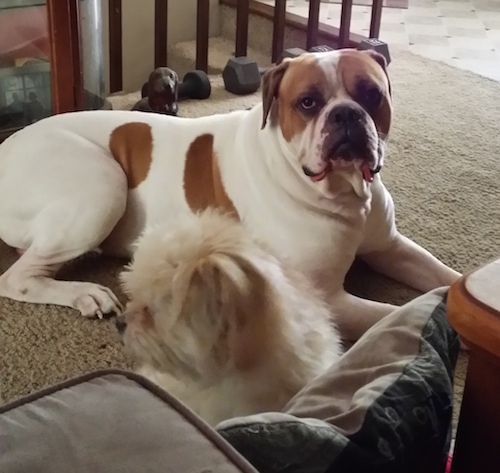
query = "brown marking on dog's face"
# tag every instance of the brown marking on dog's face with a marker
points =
(203, 184)
(131, 145)
(290, 84)
(360, 71)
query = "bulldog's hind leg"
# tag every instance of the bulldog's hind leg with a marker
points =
(62, 232)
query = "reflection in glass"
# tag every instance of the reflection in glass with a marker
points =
(25, 94)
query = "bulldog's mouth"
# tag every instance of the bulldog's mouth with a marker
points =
(316, 177)
(345, 152)
(367, 172)
(343, 149)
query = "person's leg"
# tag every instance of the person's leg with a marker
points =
(385, 406)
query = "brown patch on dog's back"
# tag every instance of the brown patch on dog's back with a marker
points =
(131, 145)
(203, 185)
(356, 65)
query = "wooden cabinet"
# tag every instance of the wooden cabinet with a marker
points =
(42, 68)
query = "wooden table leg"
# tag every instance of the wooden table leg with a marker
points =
(477, 446)
(473, 310)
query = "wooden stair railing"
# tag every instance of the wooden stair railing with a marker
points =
(315, 32)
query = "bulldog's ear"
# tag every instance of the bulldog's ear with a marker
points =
(380, 59)
(271, 81)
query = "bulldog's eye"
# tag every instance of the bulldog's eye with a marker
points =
(308, 103)
(371, 97)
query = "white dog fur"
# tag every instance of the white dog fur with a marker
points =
(219, 322)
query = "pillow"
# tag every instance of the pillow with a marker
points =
(109, 421)
(385, 406)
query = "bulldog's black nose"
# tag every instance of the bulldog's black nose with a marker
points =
(120, 323)
(345, 115)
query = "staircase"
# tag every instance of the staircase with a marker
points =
(221, 48)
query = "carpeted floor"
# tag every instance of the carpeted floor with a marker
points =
(442, 169)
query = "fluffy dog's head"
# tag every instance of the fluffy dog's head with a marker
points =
(333, 110)
(205, 299)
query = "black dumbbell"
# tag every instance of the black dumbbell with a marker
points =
(194, 85)
(296, 52)
(372, 44)
(375, 44)
(292, 52)
(367, 44)
(242, 75)
(321, 48)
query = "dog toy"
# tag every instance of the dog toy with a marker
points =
(161, 94)
(194, 85)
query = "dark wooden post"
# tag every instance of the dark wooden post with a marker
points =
(278, 30)
(376, 18)
(202, 28)
(313, 23)
(345, 23)
(161, 28)
(242, 15)
(115, 46)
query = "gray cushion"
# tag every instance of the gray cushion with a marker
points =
(109, 421)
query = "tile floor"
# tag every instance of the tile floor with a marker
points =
(462, 33)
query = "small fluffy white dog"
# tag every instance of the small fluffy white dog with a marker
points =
(219, 322)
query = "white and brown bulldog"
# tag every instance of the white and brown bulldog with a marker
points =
(300, 170)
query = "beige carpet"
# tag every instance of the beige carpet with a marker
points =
(443, 169)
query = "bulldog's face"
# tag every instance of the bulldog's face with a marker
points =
(334, 110)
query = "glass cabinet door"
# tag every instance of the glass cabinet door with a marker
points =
(51, 60)
(25, 84)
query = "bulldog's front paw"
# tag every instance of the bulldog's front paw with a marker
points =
(95, 300)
